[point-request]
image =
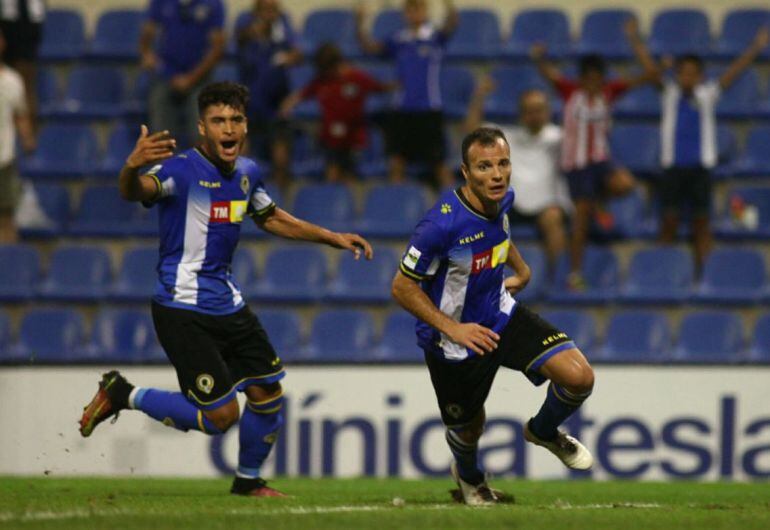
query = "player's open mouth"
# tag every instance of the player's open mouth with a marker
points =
(229, 147)
(497, 189)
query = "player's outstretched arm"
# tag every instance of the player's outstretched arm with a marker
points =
(365, 40)
(475, 113)
(516, 283)
(408, 294)
(149, 149)
(546, 69)
(281, 223)
(736, 68)
(652, 72)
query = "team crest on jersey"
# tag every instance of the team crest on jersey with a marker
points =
(205, 383)
(454, 410)
(245, 184)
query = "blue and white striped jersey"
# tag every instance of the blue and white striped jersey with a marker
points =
(201, 210)
(458, 254)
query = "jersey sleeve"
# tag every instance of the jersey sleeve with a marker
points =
(425, 251)
(565, 87)
(167, 185)
(260, 202)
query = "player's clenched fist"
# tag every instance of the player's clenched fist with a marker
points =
(151, 148)
(476, 337)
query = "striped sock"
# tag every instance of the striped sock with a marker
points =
(257, 433)
(466, 456)
(558, 406)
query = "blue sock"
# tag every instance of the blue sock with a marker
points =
(466, 456)
(558, 406)
(257, 432)
(172, 409)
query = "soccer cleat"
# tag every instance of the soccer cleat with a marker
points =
(480, 495)
(569, 450)
(110, 399)
(253, 487)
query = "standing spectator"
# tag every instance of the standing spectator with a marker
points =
(416, 128)
(191, 42)
(341, 90)
(541, 190)
(266, 48)
(21, 21)
(585, 154)
(13, 117)
(688, 138)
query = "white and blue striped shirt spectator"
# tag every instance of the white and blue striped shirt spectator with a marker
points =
(688, 131)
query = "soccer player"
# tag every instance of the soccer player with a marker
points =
(214, 341)
(451, 279)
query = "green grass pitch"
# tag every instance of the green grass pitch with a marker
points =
(157, 504)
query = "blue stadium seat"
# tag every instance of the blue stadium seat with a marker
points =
(531, 26)
(48, 92)
(477, 36)
(363, 281)
(534, 256)
(50, 335)
(331, 25)
(680, 31)
(54, 203)
(93, 93)
(63, 152)
(137, 278)
(225, 71)
(307, 158)
(580, 326)
(456, 91)
(329, 205)
(733, 276)
(283, 330)
(77, 273)
(373, 163)
(119, 145)
(760, 342)
(392, 210)
(727, 148)
(124, 336)
(291, 274)
(658, 276)
(399, 341)
(386, 23)
(117, 35)
(341, 335)
(731, 224)
(510, 83)
(642, 103)
(102, 212)
(637, 147)
(628, 215)
(738, 29)
(5, 336)
(299, 77)
(19, 272)
(602, 33)
(379, 102)
(741, 99)
(637, 337)
(600, 270)
(63, 35)
(710, 337)
(134, 104)
(755, 160)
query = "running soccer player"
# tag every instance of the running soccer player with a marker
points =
(451, 279)
(212, 338)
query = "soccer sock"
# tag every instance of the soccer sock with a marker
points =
(466, 456)
(257, 432)
(172, 409)
(558, 406)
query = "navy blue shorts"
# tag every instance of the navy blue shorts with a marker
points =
(589, 182)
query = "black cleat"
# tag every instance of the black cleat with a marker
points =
(110, 399)
(253, 487)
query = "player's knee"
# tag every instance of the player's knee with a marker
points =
(581, 380)
(225, 416)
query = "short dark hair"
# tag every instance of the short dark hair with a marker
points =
(223, 93)
(327, 57)
(697, 60)
(485, 136)
(591, 63)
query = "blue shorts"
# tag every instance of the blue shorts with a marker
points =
(589, 182)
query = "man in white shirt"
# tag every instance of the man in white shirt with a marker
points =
(13, 117)
(542, 196)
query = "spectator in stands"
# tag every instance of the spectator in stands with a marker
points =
(688, 139)
(341, 90)
(416, 129)
(21, 21)
(541, 190)
(267, 47)
(585, 155)
(191, 42)
(14, 118)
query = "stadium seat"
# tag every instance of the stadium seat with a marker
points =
(637, 147)
(63, 36)
(642, 103)
(283, 330)
(392, 210)
(103, 212)
(600, 270)
(119, 145)
(755, 160)
(225, 71)
(373, 164)
(534, 256)
(510, 83)
(92, 93)
(602, 33)
(134, 104)
(399, 341)
(637, 337)
(341, 335)
(331, 25)
(680, 31)
(738, 29)
(727, 147)
(299, 78)
(77, 273)
(742, 98)
(362, 281)
(50, 335)
(5, 336)
(745, 215)
(477, 36)
(117, 35)
(760, 342)
(733, 276)
(137, 277)
(531, 26)
(53, 206)
(63, 152)
(661, 275)
(626, 219)
(710, 337)
(329, 205)
(457, 85)
(48, 92)
(291, 274)
(379, 102)
(580, 326)
(386, 23)
(19, 272)
(124, 336)
(306, 158)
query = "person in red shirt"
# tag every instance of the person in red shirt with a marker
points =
(341, 90)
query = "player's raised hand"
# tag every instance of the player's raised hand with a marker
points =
(151, 148)
(631, 28)
(354, 243)
(762, 38)
(486, 85)
(475, 337)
